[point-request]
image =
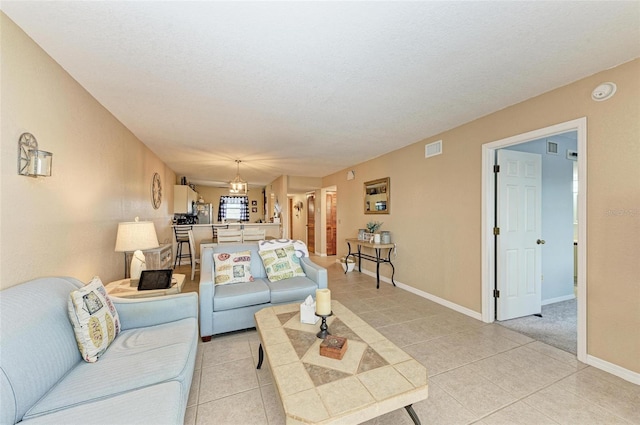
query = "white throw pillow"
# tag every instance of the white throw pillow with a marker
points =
(94, 318)
(299, 246)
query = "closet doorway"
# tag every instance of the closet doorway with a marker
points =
(488, 221)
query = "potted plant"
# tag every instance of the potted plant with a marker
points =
(373, 226)
(347, 263)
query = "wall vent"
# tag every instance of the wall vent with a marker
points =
(552, 147)
(433, 149)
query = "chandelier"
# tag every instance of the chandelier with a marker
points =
(238, 186)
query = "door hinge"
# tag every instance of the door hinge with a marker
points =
(496, 168)
(496, 231)
(496, 293)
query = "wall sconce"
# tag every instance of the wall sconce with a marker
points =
(31, 161)
(298, 206)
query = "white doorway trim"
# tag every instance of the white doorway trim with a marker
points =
(488, 213)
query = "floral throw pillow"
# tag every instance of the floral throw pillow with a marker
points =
(94, 318)
(281, 263)
(232, 267)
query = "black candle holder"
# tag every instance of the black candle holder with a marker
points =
(324, 329)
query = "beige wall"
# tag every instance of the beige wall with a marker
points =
(66, 224)
(277, 191)
(436, 206)
(299, 218)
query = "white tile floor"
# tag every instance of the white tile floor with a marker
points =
(478, 373)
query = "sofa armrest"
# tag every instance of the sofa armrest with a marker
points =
(206, 291)
(143, 312)
(314, 272)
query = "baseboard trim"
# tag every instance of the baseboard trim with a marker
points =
(620, 372)
(558, 299)
(431, 297)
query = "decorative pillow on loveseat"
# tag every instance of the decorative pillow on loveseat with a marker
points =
(299, 246)
(232, 267)
(94, 318)
(281, 263)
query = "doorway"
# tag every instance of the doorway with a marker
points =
(311, 223)
(489, 210)
(550, 315)
(332, 226)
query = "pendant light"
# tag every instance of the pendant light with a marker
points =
(238, 186)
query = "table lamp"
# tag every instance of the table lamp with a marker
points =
(136, 236)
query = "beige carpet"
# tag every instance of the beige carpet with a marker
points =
(557, 326)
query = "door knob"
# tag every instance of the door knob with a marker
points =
(540, 241)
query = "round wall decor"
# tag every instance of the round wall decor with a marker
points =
(156, 191)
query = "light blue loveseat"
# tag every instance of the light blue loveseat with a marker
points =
(143, 378)
(226, 308)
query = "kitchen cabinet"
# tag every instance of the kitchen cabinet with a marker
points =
(183, 199)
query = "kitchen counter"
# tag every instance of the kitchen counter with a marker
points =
(203, 233)
(242, 225)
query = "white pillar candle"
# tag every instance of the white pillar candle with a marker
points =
(323, 302)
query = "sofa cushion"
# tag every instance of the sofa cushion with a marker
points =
(137, 358)
(281, 263)
(94, 318)
(228, 297)
(291, 290)
(157, 404)
(232, 267)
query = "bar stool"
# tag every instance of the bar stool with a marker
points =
(252, 235)
(214, 230)
(195, 265)
(182, 237)
(229, 235)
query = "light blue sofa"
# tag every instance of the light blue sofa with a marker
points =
(226, 308)
(143, 378)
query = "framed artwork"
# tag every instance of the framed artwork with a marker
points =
(254, 203)
(377, 196)
(254, 209)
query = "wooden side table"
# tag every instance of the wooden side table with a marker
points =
(122, 288)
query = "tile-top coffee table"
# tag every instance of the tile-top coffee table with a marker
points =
(373, 378)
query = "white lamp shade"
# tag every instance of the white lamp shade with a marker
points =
(136, 235)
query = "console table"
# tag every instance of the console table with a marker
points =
(377, 247)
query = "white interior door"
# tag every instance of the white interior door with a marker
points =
(519, 270)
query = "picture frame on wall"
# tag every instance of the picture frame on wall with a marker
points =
(254, 209)
(254, 203)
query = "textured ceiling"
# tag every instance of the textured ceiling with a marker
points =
(309, 88)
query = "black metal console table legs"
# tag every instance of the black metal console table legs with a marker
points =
(378, 259)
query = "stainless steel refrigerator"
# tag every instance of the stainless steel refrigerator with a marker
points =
(204, 213)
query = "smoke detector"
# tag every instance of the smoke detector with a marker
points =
(603, 92)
